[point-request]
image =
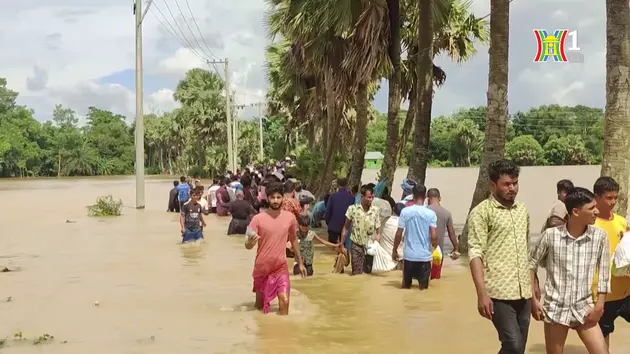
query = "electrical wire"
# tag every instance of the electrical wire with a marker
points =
(191, 31)
(172, 30)
(190, 46)
(203, 39)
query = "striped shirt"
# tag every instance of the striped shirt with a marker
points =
(571, 264)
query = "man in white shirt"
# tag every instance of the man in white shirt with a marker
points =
(212, 195)
(205, 209)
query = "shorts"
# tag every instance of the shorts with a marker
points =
(612, 310)
(192, 235)
(421, 271)
(269, 286)
(309, 269)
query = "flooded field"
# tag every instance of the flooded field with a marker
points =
(124, 285)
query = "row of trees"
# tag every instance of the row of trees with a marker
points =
(188, 140)
(547, 135)
(332, 54)
(329, 57)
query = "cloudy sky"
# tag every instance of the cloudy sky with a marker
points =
(80, 53)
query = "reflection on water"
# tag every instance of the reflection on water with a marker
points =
(155, 296)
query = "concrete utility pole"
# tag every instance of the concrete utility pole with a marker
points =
(260, 130)
(139, 15)
(228, 114)
(235, 137)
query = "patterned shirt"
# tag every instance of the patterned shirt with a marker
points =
(291, 205)
(364, 223)
(306, 246)
(499, 235)
(571, 264)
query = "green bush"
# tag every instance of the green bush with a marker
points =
(197, 171)
(106, 206)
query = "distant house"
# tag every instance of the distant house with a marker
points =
(373, 159)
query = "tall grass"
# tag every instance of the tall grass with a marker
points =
(106, 206)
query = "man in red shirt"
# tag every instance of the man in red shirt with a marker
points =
(270, 230)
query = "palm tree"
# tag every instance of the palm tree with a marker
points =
(616, 157)
(455, 31)
(424, 77)
(390, 161)
(496, 122)
(343, 47)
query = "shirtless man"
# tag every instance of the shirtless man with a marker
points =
(270, 230)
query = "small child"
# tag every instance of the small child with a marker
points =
(191, 219)
(305, 240)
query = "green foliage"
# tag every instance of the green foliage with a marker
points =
(192, 139)
(525, 151)
(106, 206)
(545, 135)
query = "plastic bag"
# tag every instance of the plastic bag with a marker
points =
(371, 248)
(383, 261)
(621, 257)
(436, 263)
(437, 255)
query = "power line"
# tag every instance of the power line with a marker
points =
(200, 33)
(190, 46)
(191, 31)
(172, 30)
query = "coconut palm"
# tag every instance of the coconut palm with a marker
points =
(616, 157)
(496, 122)
(342, 46)
(455, 30)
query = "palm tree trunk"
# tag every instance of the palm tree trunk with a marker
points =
(390, 162)
(330, 108)
(424, 71)
(616, 159)
(59, 165)
(360, 136)
(422, 157)
(408, 124)
(496, 120)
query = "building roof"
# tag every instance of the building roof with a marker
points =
(374, 155)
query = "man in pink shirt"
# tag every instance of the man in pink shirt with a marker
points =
(271, 229)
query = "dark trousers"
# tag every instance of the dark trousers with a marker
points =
(421, 271)
(511, 319)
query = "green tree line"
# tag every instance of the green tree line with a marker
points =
(193, 142)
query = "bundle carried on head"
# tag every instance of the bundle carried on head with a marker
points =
(407, 186)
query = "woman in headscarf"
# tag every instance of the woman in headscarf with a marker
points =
(242, 212)
(407, 186)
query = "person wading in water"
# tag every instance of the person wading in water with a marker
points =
(498, 247)
(270, 230)
(366, 224)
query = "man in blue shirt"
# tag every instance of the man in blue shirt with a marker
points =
(183, 192)
(419, 224)
(338, 204)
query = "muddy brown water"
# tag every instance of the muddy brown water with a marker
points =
(155, 296)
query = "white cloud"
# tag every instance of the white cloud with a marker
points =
(559, 15)
(182, 61)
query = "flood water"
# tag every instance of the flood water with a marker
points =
(155, 296)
